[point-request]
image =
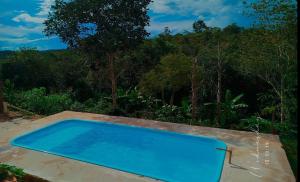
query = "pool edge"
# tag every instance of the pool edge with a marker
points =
(55, 122)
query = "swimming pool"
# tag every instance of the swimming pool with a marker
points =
(158, 154)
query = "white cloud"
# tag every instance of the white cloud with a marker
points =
(7, 48)
(24, 17)
(19, 31)
(22, 40)
(215, 13)
(188, 7)
(19, 11)
(45, 6)
(161, 6)
(218, 21)
(40, 17)
(32, 25)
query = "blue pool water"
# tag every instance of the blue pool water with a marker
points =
(162, 155)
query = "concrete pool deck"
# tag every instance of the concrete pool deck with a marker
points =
(256, 157)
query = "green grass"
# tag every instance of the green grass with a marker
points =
(290, 145)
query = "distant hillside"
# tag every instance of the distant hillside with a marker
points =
(5, 54)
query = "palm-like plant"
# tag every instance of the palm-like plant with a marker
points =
(230, 108)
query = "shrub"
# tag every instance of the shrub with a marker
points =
(38, 101)
(8, 91)
(77, 106)
(8, 171)
(102, 106)
(255, 122)
(232, 108)
(267, 126)
(170, 113)
(130, 100)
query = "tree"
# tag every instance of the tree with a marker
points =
(153, 82)
(28, 68)
(232, 29)
(1, 97)
(269, 49)
(217, 45)
(172, 74)
(222, 51)
(1, 92)
(167, 31)
(190, 46)
(199, 26)
(220, 63)
(176, 70)
(102, 29)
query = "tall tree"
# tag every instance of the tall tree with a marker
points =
(270, 48)
(191, 47)
(1, 97)
(103, 29)
(217, 46)
(171, 74)
(199, 26)
(221, 50)
(1, 92)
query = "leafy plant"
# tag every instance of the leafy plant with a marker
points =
(38, 101)
(257, 123)
(268, 104)
(8, 91)
(170, 113)
(186, 107)
(230, 107)
(267, 126)
(8, 171)
(130, 100)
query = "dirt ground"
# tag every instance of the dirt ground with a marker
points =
(14, 114)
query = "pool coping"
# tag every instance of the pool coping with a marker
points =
(241, 142)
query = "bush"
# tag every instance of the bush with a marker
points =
(101, 106)
(130, 100)
(7, 171)
(77, 106)
(255, 122)
(9, 92)
(170, 113)
(232, 109)
(37, 101)
(267, 126)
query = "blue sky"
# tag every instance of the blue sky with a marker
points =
(21, 22)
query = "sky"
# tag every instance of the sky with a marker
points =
(21, 22)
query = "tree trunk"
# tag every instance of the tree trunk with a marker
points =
(281, 110)
(113, 81)
(1, 98)
(281, 102)
(172, 97)
(219, 84)
(194, 90)
(163, 95)
(281, 86)
(273, 120)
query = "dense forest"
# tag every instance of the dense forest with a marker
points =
(232, 77)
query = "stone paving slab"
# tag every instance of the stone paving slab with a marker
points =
(256, 157)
